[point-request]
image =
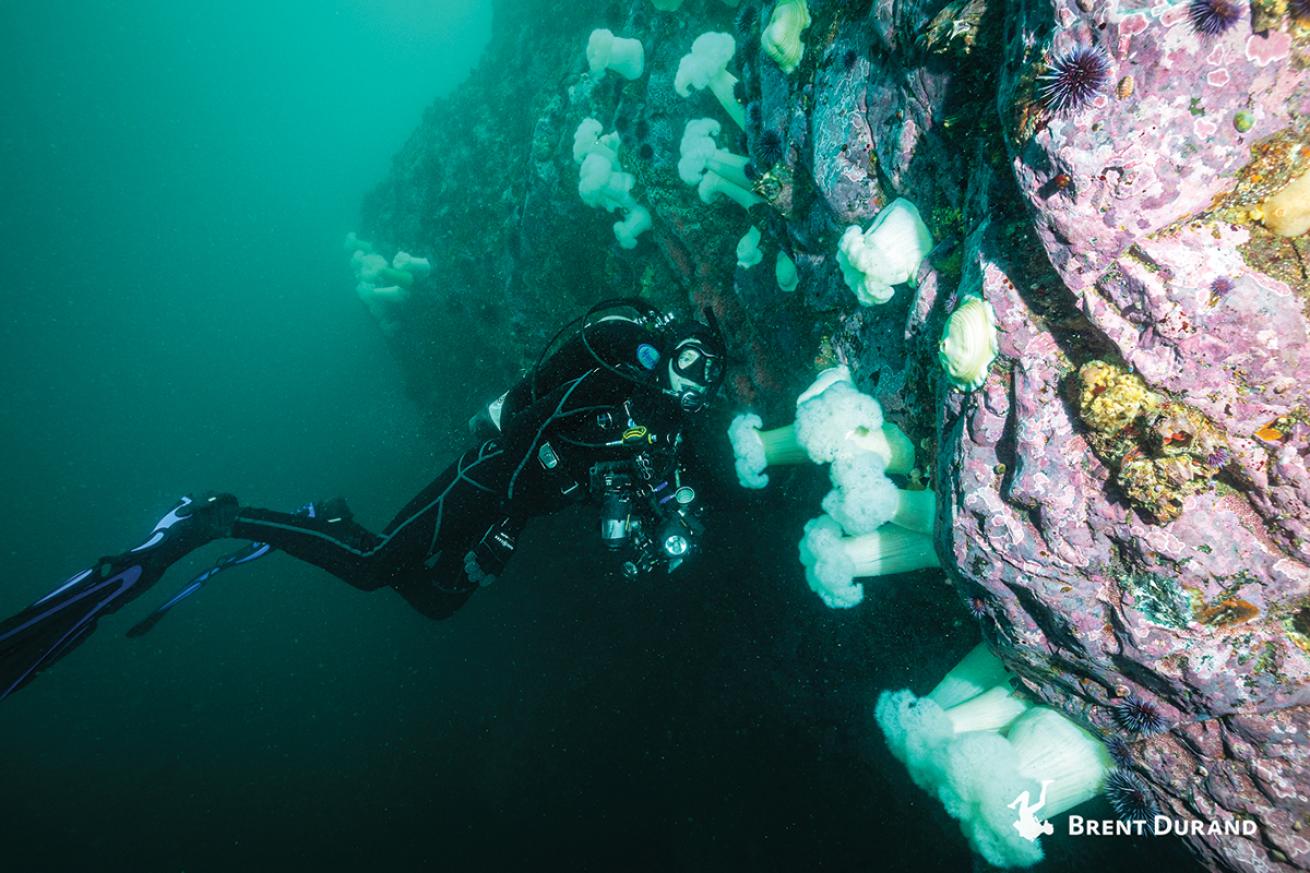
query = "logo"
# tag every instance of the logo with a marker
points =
(1028, 825)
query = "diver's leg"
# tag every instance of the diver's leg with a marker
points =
(56, 623)
(409, 551)
(445, 522)
(400, 559)
(421, 552)
(328, 537)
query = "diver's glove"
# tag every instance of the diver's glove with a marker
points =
(487, 560)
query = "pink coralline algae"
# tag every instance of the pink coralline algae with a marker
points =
(1264, 49)
(1170, 567)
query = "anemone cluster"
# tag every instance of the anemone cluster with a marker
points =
(992, 759)
(716, 172)
(602, 184)
(870, 527)
(381, 286)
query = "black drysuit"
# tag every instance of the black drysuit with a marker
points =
(576, 410)
(573, 403)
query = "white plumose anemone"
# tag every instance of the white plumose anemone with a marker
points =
(713, 187)
(989, 757)
(355, 244)
(699, 151)
(784, 270)
(602, 184)
(415, 266)
(1056, 764)
(373, 269)
(833, 562)
(887, 254)
(624, 56)
(863, 498)
(716, 172)
(920, 733)
(1053, 748)
(993, 710)
(634, 224)
(832, 418)
(969, 343)
(976, 672)
(748, 249)
(706, 66)
(590, 139)
(756, 449)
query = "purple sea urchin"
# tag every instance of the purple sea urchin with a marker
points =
(1213, 17)
(1139, 716)
(747, 18)
(1130, 796)
(1300, 9)
(769, 147)
(977, 607)
(1075, 79)
(1119, 748)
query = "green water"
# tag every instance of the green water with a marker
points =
(178, 316)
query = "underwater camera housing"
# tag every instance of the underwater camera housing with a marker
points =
(651, 525)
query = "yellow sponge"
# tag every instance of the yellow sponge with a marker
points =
(1287, 213)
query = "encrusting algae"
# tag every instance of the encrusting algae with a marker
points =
(1161, 451)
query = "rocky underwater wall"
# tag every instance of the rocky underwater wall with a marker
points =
(1124, 500)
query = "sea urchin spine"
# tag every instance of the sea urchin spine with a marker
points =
(1139, 716)
(1119, 748)
(769, 148)
(1075, 79)
(1214, 17)
(1130, 796)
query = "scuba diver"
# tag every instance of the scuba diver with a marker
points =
(600, 418)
